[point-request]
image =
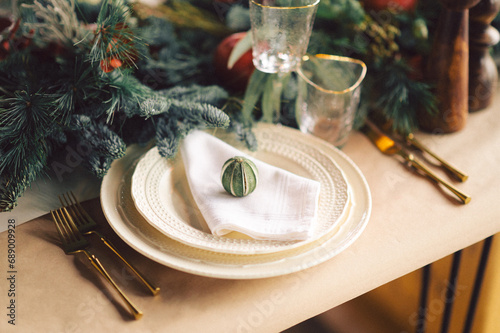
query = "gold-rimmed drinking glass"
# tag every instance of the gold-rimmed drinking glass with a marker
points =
(280, 33)
(329, 89)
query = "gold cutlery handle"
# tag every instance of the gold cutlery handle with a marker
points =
(97, 264)
(417, 164)
(457, 173)
(154, 290)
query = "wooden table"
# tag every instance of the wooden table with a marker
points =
(413, 223)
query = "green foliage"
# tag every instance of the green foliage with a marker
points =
(340, 12)
(54, 22)
(74, 86)
(402, 98)
(114, 38)
(238, 18)
(179, 110)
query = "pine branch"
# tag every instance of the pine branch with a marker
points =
(76, 88)
(12, 74)
(123, 89)
(20, 165)
(114, 38)
(26, 113)
(56, 22)
(403, 97)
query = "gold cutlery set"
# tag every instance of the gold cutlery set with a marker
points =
(389, 146)
(74, 226)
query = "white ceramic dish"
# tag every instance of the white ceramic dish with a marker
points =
(128, 223)
(161, 193)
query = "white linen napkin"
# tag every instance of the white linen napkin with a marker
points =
(282, 207)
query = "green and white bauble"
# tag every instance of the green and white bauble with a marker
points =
(239, 176)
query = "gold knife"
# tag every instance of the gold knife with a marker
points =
(389, 147)
(412, 141)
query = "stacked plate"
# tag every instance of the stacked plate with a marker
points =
(148, 203)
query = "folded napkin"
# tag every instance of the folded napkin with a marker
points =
(282, 207)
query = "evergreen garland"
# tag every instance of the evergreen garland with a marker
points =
(73, 76)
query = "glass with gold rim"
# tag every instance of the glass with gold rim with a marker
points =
(280, 33)
(329, 89)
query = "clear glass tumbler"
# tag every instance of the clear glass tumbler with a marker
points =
(329, 89)
(280, 33)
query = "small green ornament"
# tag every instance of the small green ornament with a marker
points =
(239, 176)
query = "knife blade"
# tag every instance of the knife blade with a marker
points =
(389, 147)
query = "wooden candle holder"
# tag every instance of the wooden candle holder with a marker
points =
(448, 68)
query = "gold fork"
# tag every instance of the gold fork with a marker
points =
(86, 225)
(73, 242)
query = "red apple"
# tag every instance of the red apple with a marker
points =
(404, 5)
(236, 78)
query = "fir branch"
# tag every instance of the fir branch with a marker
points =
(154, 106)
(98, 164)
(158, 32)
(202, 114)
(167, 138)
(170, 70)
(103, 141)
(79, 122)
(244, 134)
(214, 95)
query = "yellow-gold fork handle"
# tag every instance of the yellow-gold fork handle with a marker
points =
(154, 290)
(457, 173)
(97, 265)
(464, 198)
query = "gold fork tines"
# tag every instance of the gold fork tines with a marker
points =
(87, 226)
(73, 242)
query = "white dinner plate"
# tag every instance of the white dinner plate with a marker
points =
(130, 225)
(161, 192)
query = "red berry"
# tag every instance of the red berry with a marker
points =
(115, 62)
(106, 66)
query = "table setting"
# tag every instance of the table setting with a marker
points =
(195, 249)
(268, 204)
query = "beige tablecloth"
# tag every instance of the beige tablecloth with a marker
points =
(413, 223)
